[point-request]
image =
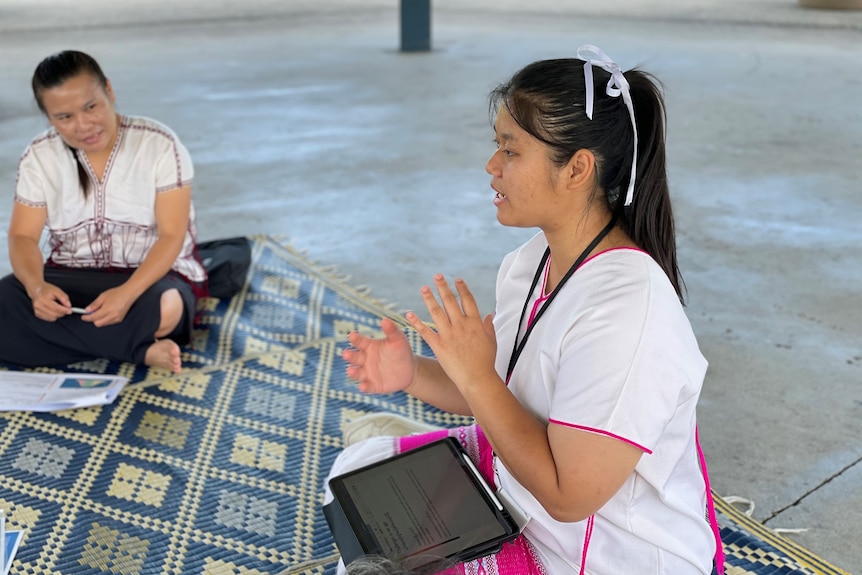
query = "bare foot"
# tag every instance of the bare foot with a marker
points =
(165, 353)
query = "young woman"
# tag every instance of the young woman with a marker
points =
(114, 191)
(584, 382)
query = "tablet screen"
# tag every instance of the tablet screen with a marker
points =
(421, 504)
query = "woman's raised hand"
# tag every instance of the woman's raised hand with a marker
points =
(464, 342)
(381, 365)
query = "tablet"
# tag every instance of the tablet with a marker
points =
(425, 508)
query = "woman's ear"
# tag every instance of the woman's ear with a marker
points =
(580, 172)
(109, 90)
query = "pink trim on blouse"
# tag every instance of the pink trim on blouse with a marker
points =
(587, 536)
(710, 508)
(602, 432)
(594, 256)
(542, 298)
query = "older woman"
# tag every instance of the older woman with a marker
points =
(114, 192)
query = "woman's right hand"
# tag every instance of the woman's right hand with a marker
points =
(381, 365)
(50, 303)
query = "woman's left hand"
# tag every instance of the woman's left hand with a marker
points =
(109, 308)
(464, 343)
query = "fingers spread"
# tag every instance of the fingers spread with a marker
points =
(468, 302)
(420, 326)
(352, 356)
(447, 297)
(437, 313)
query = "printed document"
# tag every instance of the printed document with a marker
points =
(27, 391)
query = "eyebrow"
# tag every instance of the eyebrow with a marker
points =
(66, 113)
(506, 136)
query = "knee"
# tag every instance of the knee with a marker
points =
(171, 305)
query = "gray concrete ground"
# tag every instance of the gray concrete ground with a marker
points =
(305, 120)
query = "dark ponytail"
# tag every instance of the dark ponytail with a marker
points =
(54, 71)
(548, 100)
(649, 219)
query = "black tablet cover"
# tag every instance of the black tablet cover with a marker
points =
(425, 508)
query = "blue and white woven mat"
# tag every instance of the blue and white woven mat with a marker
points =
(219, 470)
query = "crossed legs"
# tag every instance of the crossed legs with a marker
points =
(149, 334)
(165, 353)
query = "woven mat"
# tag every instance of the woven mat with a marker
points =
(219, 470)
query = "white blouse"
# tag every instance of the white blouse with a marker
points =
(115, 225)
(613, 355)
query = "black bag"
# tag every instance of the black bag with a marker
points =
(226, 262)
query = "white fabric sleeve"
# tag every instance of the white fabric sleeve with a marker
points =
(174, 168)
(30, 183)
(627, 361)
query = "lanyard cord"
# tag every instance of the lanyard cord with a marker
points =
(519, 346)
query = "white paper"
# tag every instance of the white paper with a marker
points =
(25, 391)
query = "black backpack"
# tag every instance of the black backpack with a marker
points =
(226, 262)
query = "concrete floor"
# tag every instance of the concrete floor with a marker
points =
(305, 120)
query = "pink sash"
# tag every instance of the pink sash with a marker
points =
(516, 558)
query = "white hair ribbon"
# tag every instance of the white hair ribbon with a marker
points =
(617, 86)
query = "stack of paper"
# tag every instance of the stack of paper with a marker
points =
(25, 391)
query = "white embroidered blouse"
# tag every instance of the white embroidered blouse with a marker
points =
(115, 225)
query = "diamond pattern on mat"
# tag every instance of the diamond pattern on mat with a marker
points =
(193, 386)
(181, 539)
(283, 286)
(164, 429)
(271, 403)
(246, 512)
(254, 346)
(260, 453)
(139, 485)
(87, 416)
(43, 458)
(273, 317)
(292, 362)
(19, 516)
(110, 551)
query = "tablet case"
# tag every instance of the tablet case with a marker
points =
(354, 540)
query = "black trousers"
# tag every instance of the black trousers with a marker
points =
(28, 341)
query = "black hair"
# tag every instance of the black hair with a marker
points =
(54, 71)
(548, 100)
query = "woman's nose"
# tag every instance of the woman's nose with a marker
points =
(82, 122)
(492, 165)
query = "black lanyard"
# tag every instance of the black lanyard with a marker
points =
(519, 346)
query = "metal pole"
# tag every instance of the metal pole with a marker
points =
(415, 25)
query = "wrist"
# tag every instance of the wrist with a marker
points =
(129, 289)
(33, 289)
(416, 376)
(480, 386)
